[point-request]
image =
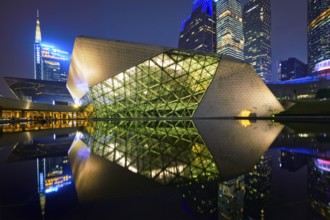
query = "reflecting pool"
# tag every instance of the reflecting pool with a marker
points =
(180, 169)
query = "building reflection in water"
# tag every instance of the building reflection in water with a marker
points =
(201, 158)
(218, 168)
(318, 184)
(49, 149)
(53, 174)
(308, 145)
(258, 185)
(231, 198)
(38, 125)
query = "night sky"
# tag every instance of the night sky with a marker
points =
(145, 21)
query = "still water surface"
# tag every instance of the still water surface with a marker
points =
(202, 169)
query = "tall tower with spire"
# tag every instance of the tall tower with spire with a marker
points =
(37, 51)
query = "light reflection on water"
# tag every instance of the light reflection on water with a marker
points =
(204, 169)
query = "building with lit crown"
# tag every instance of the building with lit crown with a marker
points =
(257, 37)
(229, 28)
(318, 33)
(117, 79)
(198, 29)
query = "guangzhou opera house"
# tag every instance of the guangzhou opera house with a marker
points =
(118, 79)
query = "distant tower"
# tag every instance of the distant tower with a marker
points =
(292, 69)
(37, 51)
(257, 35)
(229, 28)
(50, 62)
(318, 33)
(198, 30)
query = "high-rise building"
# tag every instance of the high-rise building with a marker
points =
(37, 51)
(50, 62)
(229, 28)
(198, 29)
(55, 63)
(291, 68)
(257, 36)
(318, 34)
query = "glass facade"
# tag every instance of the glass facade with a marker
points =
(171, 84)
(318, 34)
(257, 33)
(198, 30)
(55, 63)
(169, 152)
(229, 28)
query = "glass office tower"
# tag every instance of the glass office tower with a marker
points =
(257, 33)
(318, 33)
(229, 28)
(198, 30)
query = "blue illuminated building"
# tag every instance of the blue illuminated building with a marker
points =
(198, 29)
(50, 62)
(55, 62)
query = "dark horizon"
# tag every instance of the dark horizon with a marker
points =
(145, 22)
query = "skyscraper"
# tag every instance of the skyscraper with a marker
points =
(50, 62)
(55, 63)
(37, 51)
(257, 33)
(318, 34)
(198, 29)
(229, 28)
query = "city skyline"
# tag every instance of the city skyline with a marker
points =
(62, 22)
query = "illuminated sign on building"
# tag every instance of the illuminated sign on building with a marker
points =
(51, 52)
